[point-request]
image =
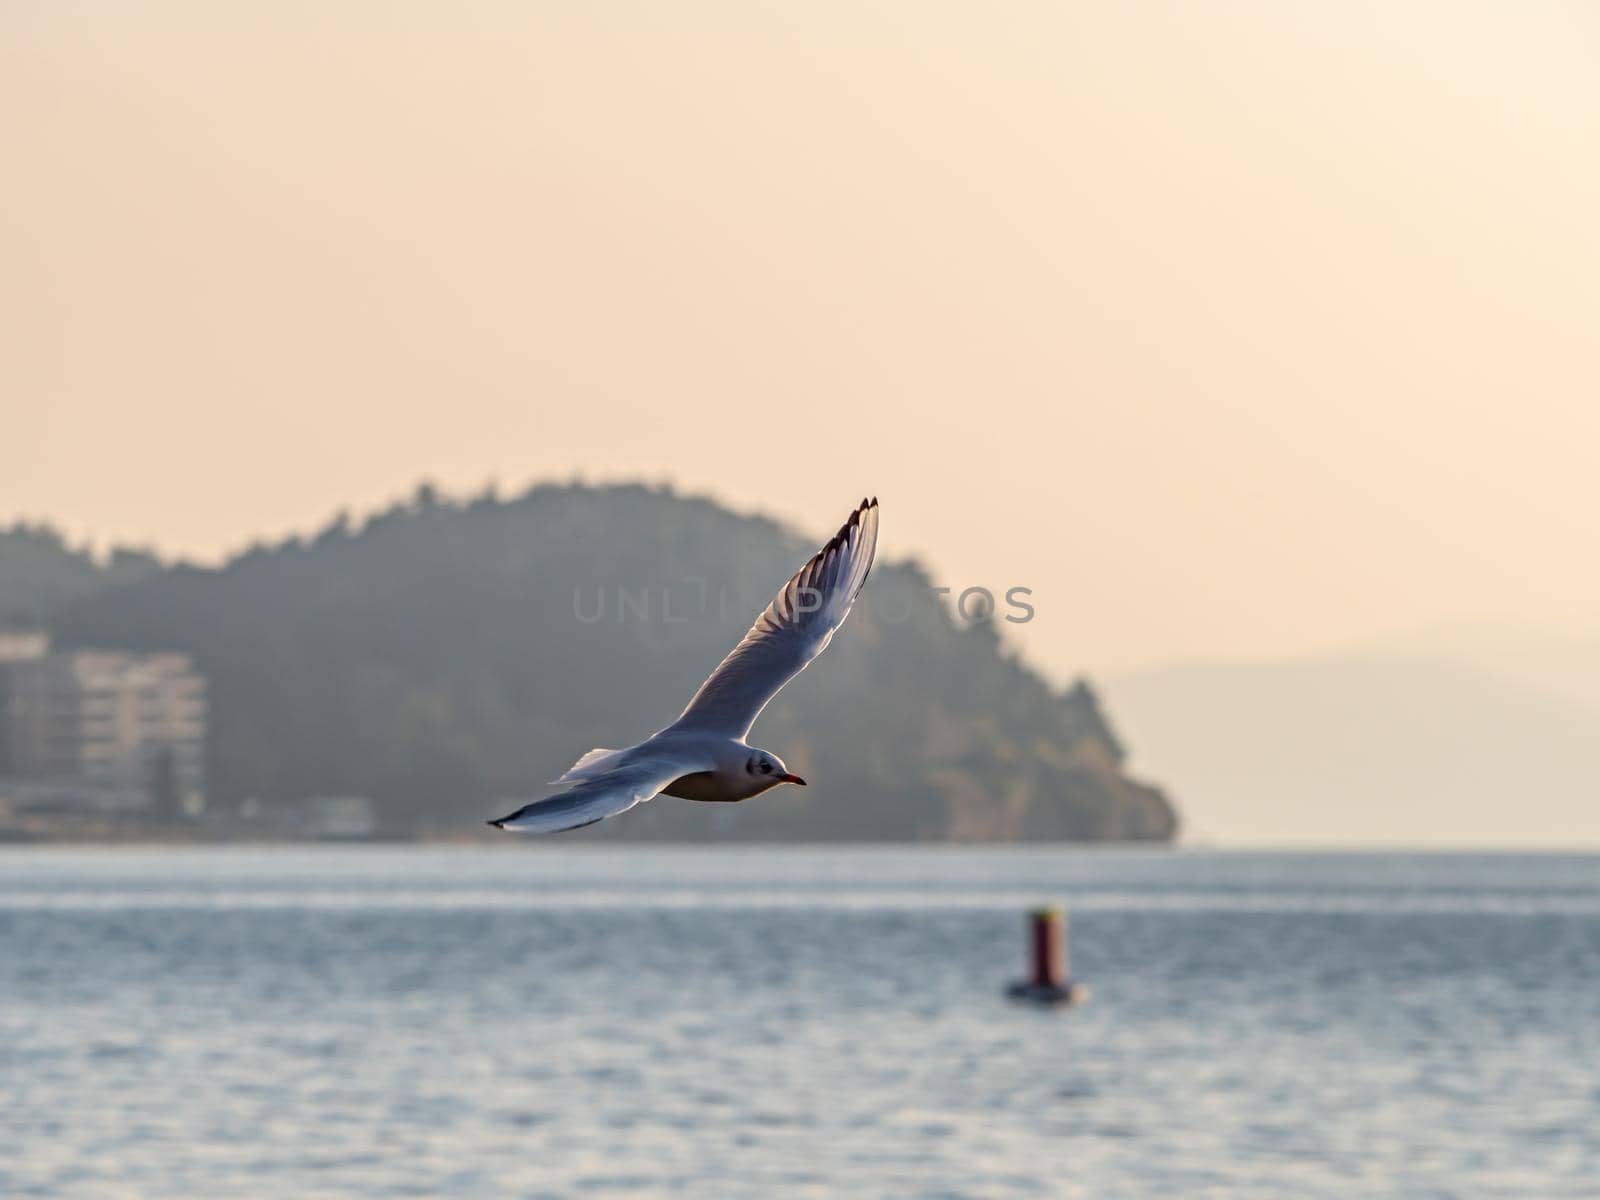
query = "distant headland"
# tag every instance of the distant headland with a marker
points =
(401, 677)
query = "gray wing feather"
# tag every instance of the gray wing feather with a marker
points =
(602, 796)
(793, 630)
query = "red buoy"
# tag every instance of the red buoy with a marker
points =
(1049, 983)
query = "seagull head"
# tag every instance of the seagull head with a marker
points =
(767, 770)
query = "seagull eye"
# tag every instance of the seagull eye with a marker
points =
(766, 768)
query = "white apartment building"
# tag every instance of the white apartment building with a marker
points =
(121, 724)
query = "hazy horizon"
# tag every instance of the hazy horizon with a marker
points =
(1453, 738)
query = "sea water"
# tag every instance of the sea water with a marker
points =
(546, 1019)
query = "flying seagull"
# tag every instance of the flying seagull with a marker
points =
(703, 754)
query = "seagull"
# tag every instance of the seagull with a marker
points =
(703, 755)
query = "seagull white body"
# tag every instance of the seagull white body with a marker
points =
(703, 755)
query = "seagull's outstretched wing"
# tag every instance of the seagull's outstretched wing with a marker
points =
(789, 634)
(603, 795)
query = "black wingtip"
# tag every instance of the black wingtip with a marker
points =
(496, 824)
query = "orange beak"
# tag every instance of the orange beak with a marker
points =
(791, 779)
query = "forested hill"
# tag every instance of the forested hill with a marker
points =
(446, 656)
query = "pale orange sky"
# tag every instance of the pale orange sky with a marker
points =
(1232, 329)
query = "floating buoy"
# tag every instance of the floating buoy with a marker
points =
(1051, 983)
